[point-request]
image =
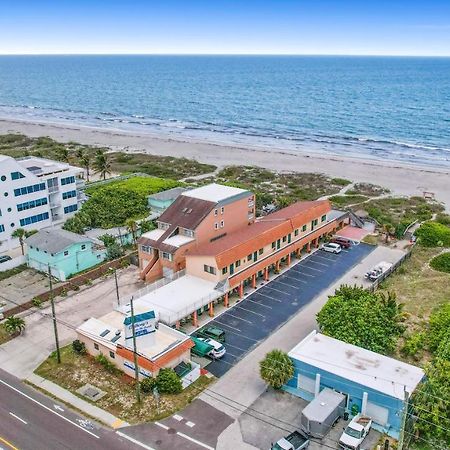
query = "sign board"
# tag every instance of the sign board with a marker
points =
(144, 324)
(142, 371)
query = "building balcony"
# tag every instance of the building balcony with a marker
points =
(53, 189)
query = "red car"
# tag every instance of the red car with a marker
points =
(343, 242)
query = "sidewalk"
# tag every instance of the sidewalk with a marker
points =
(72, 400)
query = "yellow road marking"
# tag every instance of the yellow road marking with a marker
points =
(8, 444)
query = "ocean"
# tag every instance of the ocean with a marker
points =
(369, 107)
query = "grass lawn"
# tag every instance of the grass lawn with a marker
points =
(4, 335)
(367, 189)
(159, 166)
(346, 200)
(418, 286)
(77, 370)
(11, 272)
(140, 185)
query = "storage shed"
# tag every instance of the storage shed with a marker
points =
(374, 384)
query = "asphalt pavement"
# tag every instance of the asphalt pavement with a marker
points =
(32, 421)
(263, 311)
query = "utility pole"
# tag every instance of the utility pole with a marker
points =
(55, 328)
(136, 367)
(405, 414)
(117, 287)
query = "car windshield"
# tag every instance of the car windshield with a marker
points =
(352, 432)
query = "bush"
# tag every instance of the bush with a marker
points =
(433, 234)
(106, 363)
(340, 181)
(414, 344)
(114, 251)
(441, 262)
(78, 347)
(359, 317)
(168, 382)
(439, 326)
(147, 385)
(276, 369)
(36, 302)
(444, 219)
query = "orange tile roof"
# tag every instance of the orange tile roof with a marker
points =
(262, 232)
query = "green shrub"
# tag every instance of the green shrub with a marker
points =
(37, 302)
(276, 369)
(444, 219)
(106, 363)
(114, 251)
(414, 344)
(340, 181)
(434, 234)
(78, 347)
(439, 326)
(168, 382)
(147, 385)
(441, 262)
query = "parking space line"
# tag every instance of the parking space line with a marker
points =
(240, 318)
(311, 261)
(249, 310)
(289, 285)
(259, 304)
(134, 441)
(281, 292)
(268, 296)
(328, 258)
(201, 444)
(296, 279)
(305, 274)
(226, 325)
(316, 270)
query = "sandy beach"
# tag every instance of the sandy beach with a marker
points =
(400, 179)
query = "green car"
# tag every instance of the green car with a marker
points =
(213, 332)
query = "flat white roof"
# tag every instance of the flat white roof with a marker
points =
(214, 192)
(43, 166)
(154, 234)
(165, 338)
(178, 240)
(177, 299)
(379, 372)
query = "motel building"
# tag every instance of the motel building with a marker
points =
(158, 346)
(373, 384)
(234, 260)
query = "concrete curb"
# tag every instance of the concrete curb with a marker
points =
(71, 399)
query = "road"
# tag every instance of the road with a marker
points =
(32, 421)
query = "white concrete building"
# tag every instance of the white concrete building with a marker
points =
(36, 193)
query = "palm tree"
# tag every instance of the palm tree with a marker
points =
(132, 227)
(102, 164)
(276, 369)
(84, 159)
(63, 153)
(20, 234)
(14, 325)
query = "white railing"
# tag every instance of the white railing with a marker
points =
(191, 376)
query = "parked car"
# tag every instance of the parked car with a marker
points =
(343, 242)
(295, 441)
(378, 270)
(213, 332)
(355, 432)
(331, 247)
(5, 258)
(218, 349)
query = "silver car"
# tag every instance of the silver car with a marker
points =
(331, 247)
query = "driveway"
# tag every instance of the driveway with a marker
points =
(23, 354)
(275, 302)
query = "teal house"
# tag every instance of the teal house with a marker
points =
(66, 253)
(160, 201)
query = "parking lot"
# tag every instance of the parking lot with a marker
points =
(264, 310)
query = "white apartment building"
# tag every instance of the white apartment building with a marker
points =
(36, 193)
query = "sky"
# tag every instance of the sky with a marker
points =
(333, 27)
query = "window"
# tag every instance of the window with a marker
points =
(261, 251)
(66, 253)
(16, 176)
(216, 212)
(83, 246)
(274, 244)
(32, 204)
(2, 228)
(238, 263)
(222, 210)
(70, 208)
(3, 178)
(188, 233)
(316, 221)
(163, 226)
(284, 238)
(304, 228)
(95, 346)
(69, 194)
(167, 256)
(67, 180)
(296, 232)
(249, 257)
(146, 249)
(224, 270)
(222, 224)
(209, 269)
(112, 355)
(216, 226)
(323, 218)
(29, 189)
(33, 219)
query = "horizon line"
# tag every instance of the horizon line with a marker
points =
(233, 54)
